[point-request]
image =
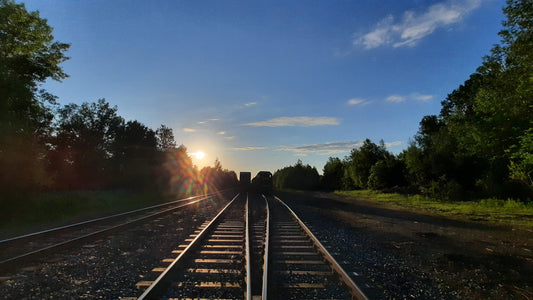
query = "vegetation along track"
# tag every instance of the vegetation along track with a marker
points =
(255, 248)
(34, 245)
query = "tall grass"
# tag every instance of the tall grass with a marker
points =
(508, 211)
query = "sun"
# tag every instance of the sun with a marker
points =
(198, 154)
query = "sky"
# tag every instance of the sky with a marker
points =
(261, 84)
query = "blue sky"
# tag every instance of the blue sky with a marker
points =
(261, 84)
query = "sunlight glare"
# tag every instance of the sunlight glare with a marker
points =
(198, 154)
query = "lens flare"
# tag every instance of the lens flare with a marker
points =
(198, 154)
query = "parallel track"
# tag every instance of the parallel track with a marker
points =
(32, 246)
(212, 264)
(253, 249)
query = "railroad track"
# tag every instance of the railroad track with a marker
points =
(16, 250)
(255, 248)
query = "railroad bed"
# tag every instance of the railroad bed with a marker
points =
(255, 248)
(35, 246)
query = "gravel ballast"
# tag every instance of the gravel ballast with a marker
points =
(390, 254)
(403, 255)
(108, 267)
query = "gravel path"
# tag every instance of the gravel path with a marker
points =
(110, 267)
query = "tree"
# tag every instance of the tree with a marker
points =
(521, 165)
(28, 56)
(135, 156)
(165, 139)
(333, 173)
(487, 120)
(180, 175)
(85, 138)
(387, 173)
(299, 176)
(361, 160)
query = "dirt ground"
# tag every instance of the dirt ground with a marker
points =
(454, 258)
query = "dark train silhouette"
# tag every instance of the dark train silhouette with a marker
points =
(261, 183)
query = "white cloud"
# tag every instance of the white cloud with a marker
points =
(392, 144)
(229, 137)
(358, 101)
(300, 154)
(422, 97)
(395, 98)
(221, 132)
(189, 129)
(249, 148)
(250, 104)
(206, 121)
(413, 27)
(296, 121)
(413, 96)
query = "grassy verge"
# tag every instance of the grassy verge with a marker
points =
(509, 212)
(26, 213)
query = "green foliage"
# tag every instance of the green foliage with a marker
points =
(28, 56)
(333, 173)
(481, 141)
(299, 177)
(387, 173)
(361, 161)
(165, 139)
(84, 143)
(216, 178)
(521, 165)
(134, 156)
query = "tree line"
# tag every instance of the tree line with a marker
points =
(45, 146)
(479, 145)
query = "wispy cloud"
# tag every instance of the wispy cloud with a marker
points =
(249, 148)
(324, 149)
(413, 96)
(296, 121)
(413, 27)
(250, 104)
(393, 144)
(358, 101)
(229, 137)
(207, 121)
(221, 132)
(330, 148)
(422, 97)
(395, 98)
(189, 129)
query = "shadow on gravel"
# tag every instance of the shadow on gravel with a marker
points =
(330, 203)
(424, 264)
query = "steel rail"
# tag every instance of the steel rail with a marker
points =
(102, 218)
(248, 256)
(109, 229)
(355, 291)
(163, 280)
(265, 255)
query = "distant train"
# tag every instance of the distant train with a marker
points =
(262, 183)
(245, 180)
